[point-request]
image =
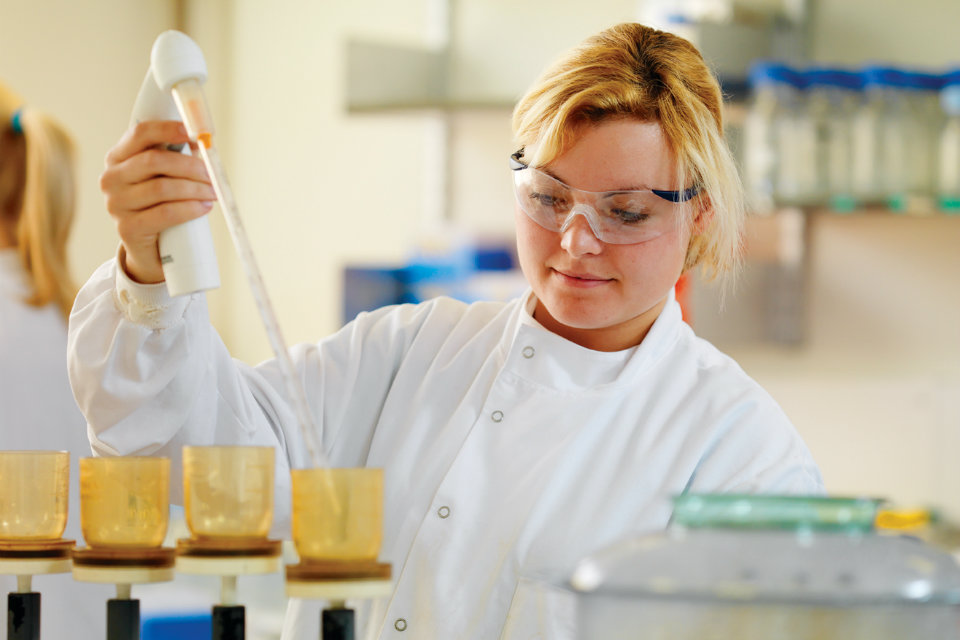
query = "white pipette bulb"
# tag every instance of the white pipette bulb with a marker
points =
(180, 69)
(175, 58)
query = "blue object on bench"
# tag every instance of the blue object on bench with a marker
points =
(177, 627)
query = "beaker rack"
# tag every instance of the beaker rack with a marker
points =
(228, 500)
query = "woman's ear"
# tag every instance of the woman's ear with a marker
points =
(702, 214)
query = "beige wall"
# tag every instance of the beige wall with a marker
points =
(316, 187)
(911, 33)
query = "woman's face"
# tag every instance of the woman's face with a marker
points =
(598, 295)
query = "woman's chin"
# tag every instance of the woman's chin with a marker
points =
(576, 316)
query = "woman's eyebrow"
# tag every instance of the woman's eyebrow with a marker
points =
(551, 174)
(607, 191)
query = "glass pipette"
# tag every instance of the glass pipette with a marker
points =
(192, 105)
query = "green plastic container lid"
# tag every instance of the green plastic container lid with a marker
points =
(798, 513)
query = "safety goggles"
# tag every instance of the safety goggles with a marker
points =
(615, 217)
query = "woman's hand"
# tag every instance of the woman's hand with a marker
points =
(149, 188)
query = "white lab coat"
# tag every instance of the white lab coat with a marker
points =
(37, 411)
(508, 452)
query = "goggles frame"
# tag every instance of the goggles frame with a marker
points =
(600, 225)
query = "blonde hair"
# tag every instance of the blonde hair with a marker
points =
(633, 71)
(37, 196)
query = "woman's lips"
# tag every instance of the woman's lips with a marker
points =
(582, 280)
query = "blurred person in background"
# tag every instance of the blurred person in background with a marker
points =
(37, 409)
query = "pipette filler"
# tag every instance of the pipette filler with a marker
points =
(173, 90)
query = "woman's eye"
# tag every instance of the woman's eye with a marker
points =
(546, 200)
(629, 217)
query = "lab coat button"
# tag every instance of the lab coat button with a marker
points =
(528, 352)
(496, 416)
(400, 624)
(443, 512)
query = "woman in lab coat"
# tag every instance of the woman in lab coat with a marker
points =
(37, 409)
(515, 437)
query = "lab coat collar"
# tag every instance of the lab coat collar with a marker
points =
(545, 358)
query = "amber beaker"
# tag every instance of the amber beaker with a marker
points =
(34, 487)
(351, 529)
(124, 502)
(228, 491)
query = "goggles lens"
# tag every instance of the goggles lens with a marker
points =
(615, 217)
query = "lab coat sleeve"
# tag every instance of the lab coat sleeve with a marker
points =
(151, 374)
(755, 448)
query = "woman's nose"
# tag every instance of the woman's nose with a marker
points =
(576, 236)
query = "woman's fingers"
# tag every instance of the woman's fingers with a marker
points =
(158, 191)
(163, 162)
(146, 135)
(150, 164)
(140, 230)
(147, 224)
(153, 177)
(149, 188)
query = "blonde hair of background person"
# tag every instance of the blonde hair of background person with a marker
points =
(632, 71)
(37, 195)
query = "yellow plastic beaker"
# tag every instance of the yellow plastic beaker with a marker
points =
(351, 530)
(228, 491)
(34, 486)
(124, 502)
